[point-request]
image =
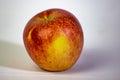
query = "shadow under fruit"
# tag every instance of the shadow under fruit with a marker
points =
(54, 39)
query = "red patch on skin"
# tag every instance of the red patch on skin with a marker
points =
(36, 38)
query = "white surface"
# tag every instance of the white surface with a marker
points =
(101, 53)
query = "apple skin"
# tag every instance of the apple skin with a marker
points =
(54, 39)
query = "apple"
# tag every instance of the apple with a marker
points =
(54, 39)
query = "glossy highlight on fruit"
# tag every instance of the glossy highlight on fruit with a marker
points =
(54, 39)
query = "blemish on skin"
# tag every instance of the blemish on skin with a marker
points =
(50, 62)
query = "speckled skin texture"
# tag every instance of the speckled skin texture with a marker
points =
(54, 39)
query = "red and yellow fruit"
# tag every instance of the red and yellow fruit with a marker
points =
(54, 39)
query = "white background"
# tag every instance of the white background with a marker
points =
(100, 58)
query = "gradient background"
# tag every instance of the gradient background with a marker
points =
(100, 58)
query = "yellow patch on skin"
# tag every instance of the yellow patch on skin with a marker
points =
(46, 17)
(60, 46)
(59, 51)
(29, 34)
(39, 19)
